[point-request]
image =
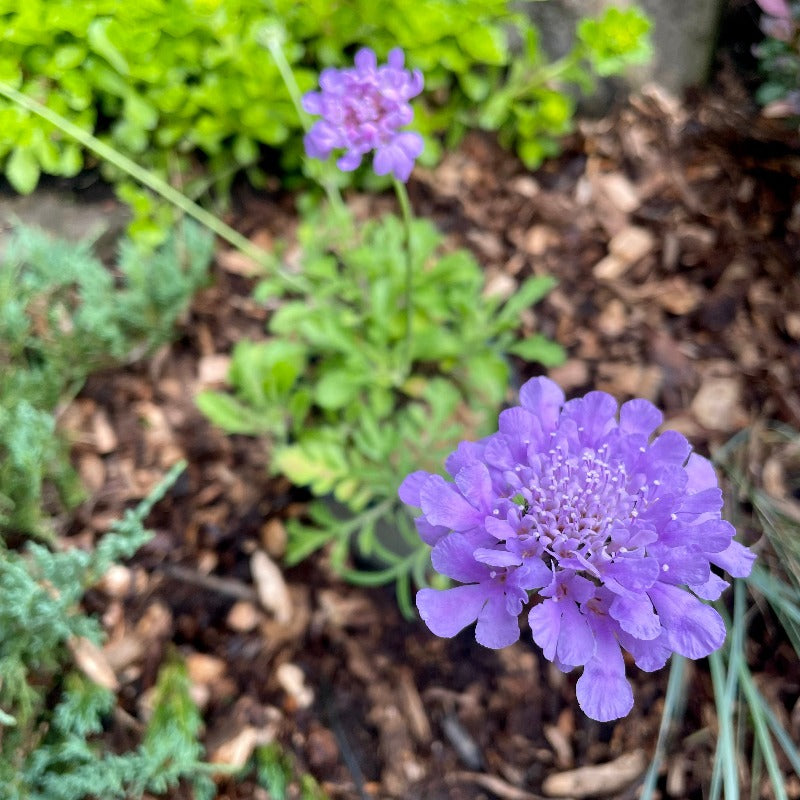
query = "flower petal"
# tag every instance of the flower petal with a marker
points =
(447, 611)
(453, 556)
(636, 616)
(693, 629)
(475, 484)
(496, 628)
(639, 417)
(736, 560)
(545, 622)
(602, 691)
(701, 474)
(544, 399)
(410, 487)
(443, 505)
(576, 641)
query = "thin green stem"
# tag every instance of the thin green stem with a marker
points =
(673, 703)
(408, 218)
(152, 182)
(273, 40)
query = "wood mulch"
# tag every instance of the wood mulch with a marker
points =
(674, 233)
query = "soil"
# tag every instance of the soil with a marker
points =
(674, 232)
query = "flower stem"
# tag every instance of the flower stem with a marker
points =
(152, 182)
(273, 42)
(405, 207)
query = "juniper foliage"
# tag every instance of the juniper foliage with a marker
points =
(64, 314)
(51, 713)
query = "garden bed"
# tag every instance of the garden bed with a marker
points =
(673, 232)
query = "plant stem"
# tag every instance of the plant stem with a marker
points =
(405, 207)
(272, 41)
(152, 182)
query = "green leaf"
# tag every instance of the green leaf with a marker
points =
(317, 461)
(22, 170)
(485, 43)
(229, 414)
(337, 388)
(539, 348)
(531, 291)
(100, 42)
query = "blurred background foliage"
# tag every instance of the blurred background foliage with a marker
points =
(187, 89)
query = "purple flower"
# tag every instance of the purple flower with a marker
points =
(363, 109)
(616, 531)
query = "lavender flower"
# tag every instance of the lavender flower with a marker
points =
(363, 109)
(614, 530)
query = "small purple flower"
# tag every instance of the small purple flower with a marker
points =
(615, 530)
(363, 109)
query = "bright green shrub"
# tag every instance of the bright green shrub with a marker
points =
(165, 78)
(62, 315)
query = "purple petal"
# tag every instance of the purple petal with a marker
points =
(693, 629)
(412, 144)
(701, 474)
(544, 399)
(602, 691)
(634, 574)
(430, 534)
(447, 611)
(594, 414)
(312, 102)
(519, 425)
(533, 574)
(576, 642)
(499, 528)
(349, 161)
(395, 59)
(711, 589)
(496, 558)
(443, 505)
(636, 616)
(475, 484)
(496, 628)
(648, 655)
(683, 565)
(545, 622)
(639, 417)
(670, 447)
(332, 80)
(703, 502)
(776, 8)
(465, 453)
(736, 560)
(453, 556)
(365, 60)
(410, 488)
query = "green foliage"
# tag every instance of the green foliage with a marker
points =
(532, 105)
(62, 315)
(276, 772)
(50, 713)
(779, 63)
(333, 388)
(161, 80)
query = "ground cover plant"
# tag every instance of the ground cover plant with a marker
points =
(63, 315)
(368, 346)
(204, 84)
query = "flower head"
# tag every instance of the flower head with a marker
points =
(363, 109)
(614, 530)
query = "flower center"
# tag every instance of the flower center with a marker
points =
(573, 501)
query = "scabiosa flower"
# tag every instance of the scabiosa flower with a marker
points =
(613, 530)
(363, 109)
